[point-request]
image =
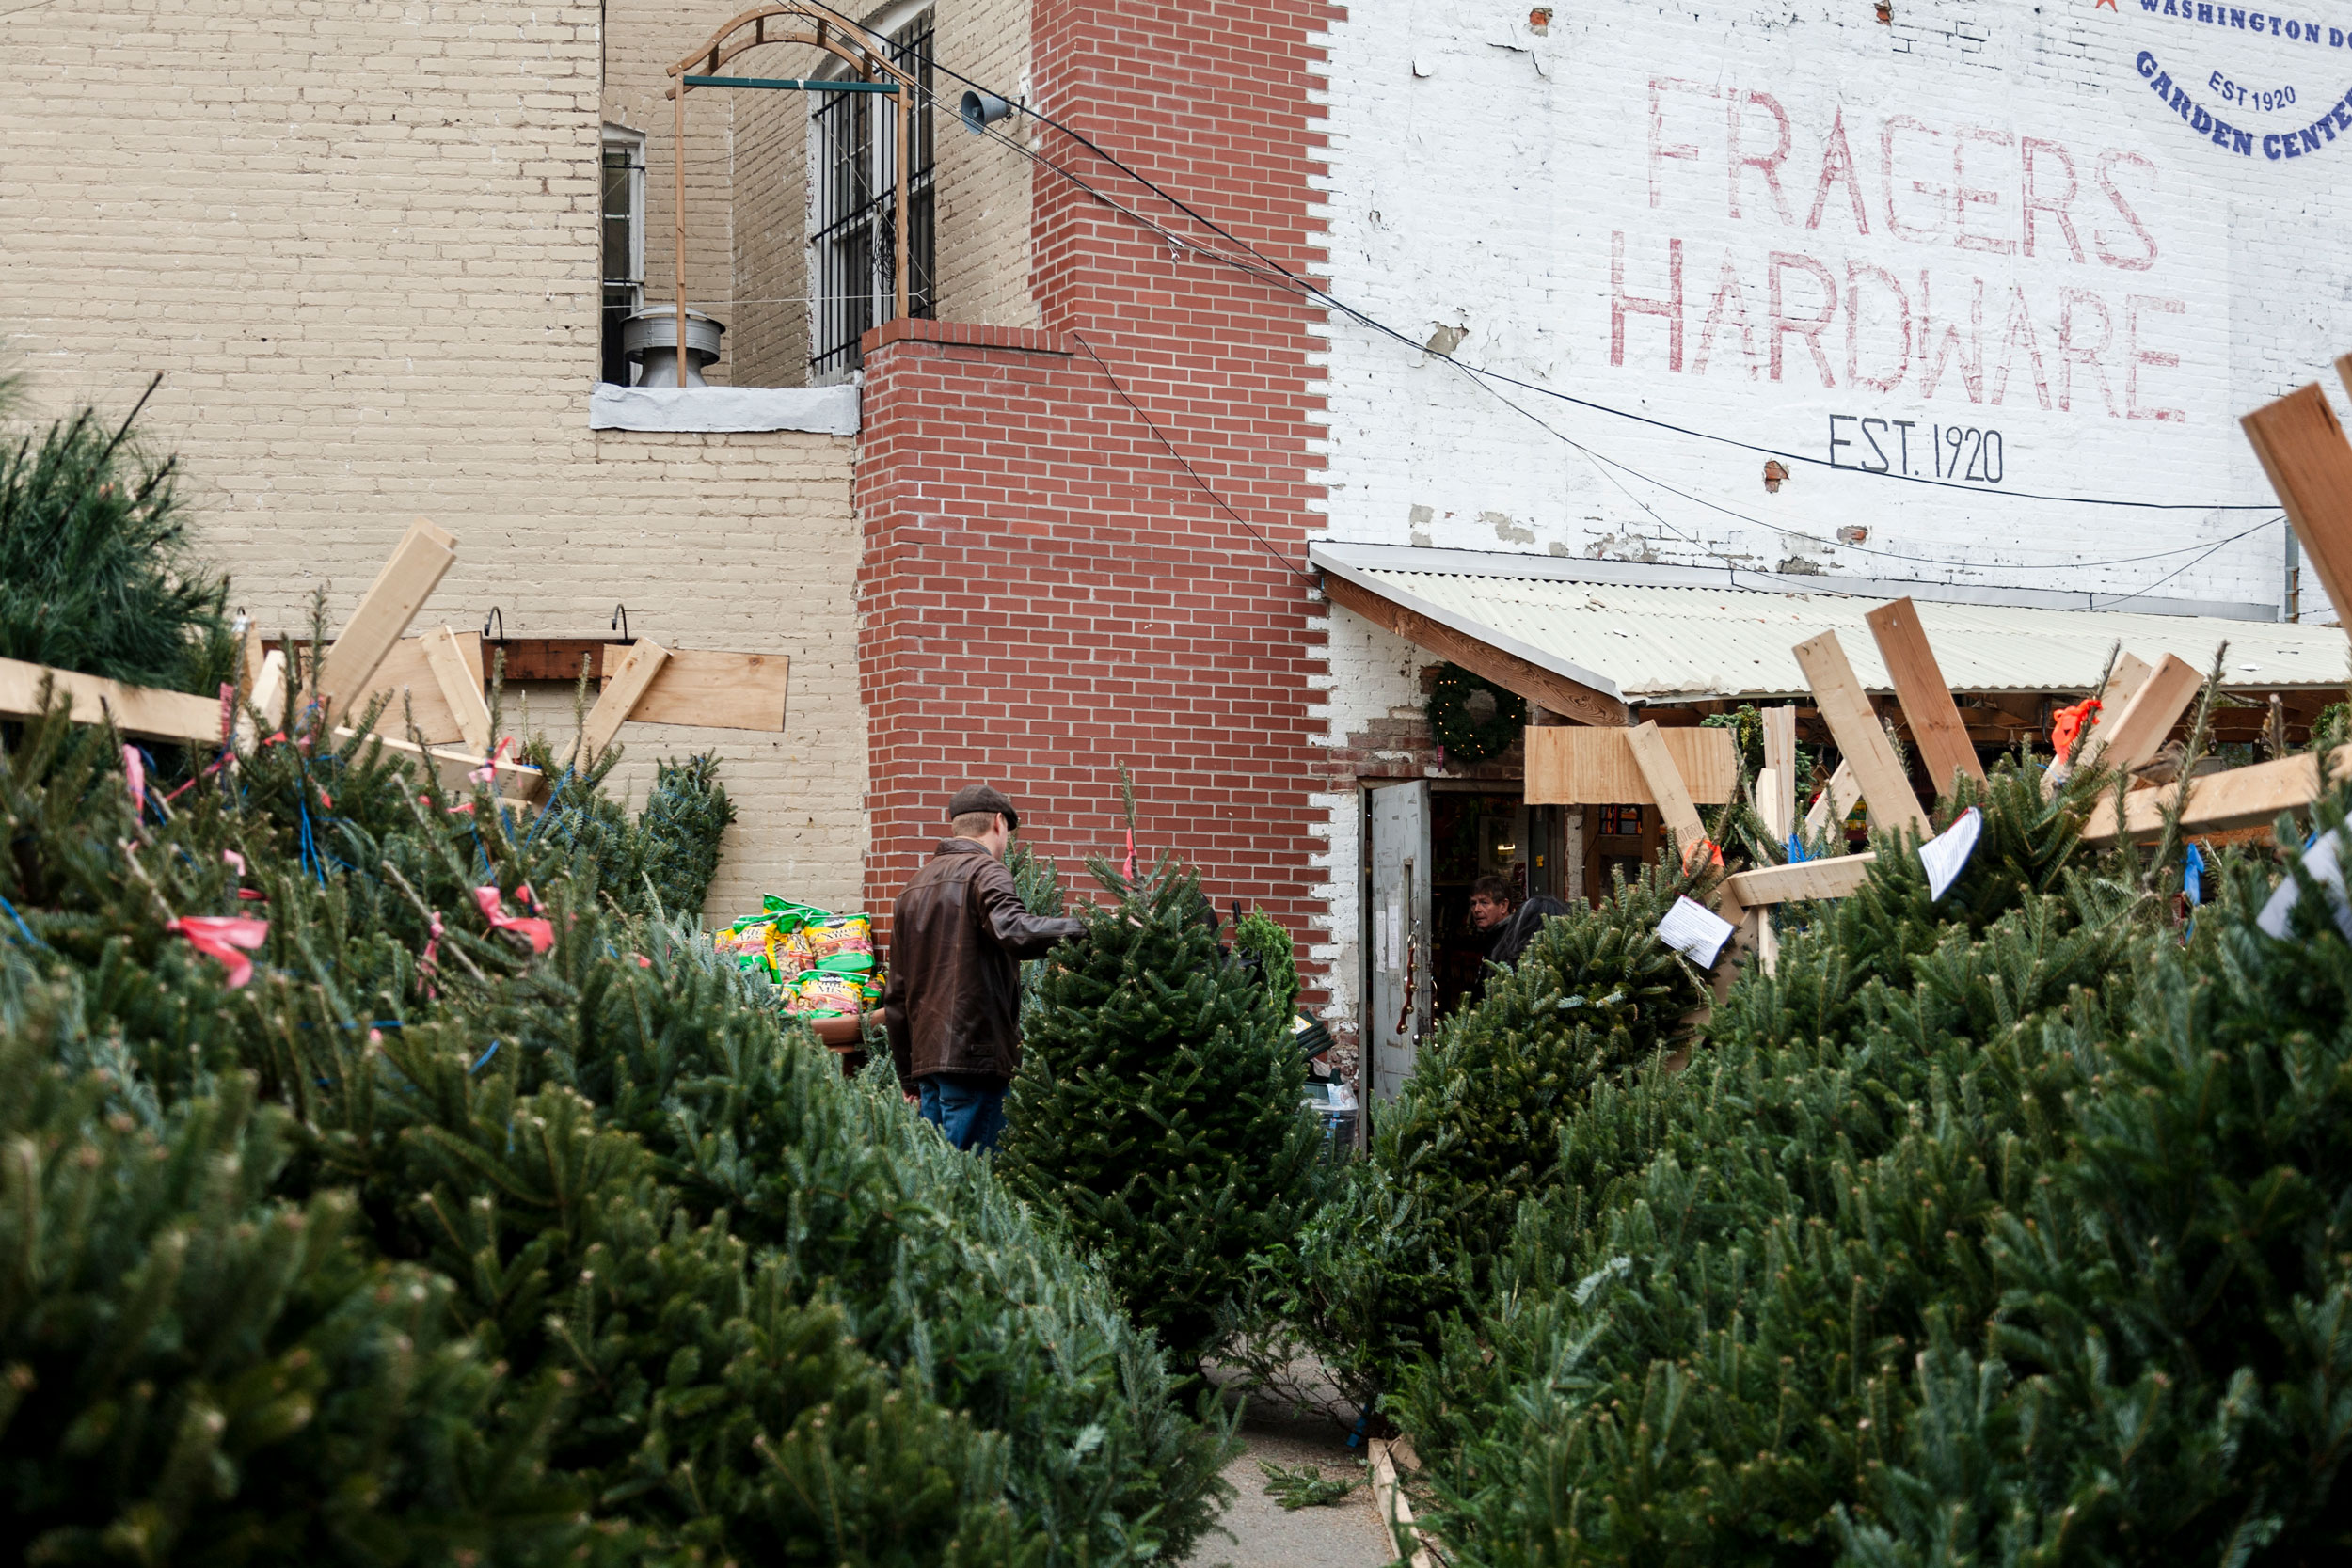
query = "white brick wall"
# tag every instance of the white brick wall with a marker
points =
(1485, 173)
(361, 242)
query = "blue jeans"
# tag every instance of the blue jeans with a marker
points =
(970, 1116)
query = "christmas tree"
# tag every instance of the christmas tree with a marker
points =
(1157, 1109)
(403, 1189)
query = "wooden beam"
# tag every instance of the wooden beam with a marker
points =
(2145, 720)
(445, 756)
(1775, 802)
(408, 678)
(400, 590)
(2310, 464)
(1746, 926)
(266, 696)
(1584, 704)
(1800, 880)
(1780, 751)
(1836, 802)
(1583, 765)
(717, 691)
(145, 711)
(1657, 765)
(622, 691)
(460, 685)
(1927, 700)
(1854, 725)
(2240, 798)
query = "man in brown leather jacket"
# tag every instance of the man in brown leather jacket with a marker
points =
(953, 1000)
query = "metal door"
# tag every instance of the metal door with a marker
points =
(1399, 982)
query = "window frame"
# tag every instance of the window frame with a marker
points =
(618, 299)
(852, 213)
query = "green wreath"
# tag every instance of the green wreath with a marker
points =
(1464, 737)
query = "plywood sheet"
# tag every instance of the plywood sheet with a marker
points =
(1576, 765)
(405, 669)
(701, 686)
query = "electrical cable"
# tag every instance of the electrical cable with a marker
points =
(1205, 487)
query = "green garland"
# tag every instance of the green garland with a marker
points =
(1465, 739)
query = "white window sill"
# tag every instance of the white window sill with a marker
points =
(820, 410)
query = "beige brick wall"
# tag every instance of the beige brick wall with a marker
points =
(360, 243)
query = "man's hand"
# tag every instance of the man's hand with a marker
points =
(914, 1100)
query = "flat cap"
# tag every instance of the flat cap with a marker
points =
(982, 798)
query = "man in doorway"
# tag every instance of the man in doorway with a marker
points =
(951, 1008)
(1511, 927)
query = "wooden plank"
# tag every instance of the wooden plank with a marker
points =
(1396, 1515)
(136, 710)
(1927, 700)
(1835, 802)
(1800, 880)
(446, 756)
(621, 693)
(553, 659)
(2139, 729)
(267, 697)
(1578, 765)
(1773, 804)
(1854, 725)
(2310, 464)
(1657, 765)
(406, 676)
(1585, 704)
(2241, 798)
(460, 685)
(391, 601)
(1767, 941)
(1780, 752)
(1744, 923)
(719, 691)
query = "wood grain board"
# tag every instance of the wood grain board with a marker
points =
(720, 691)
(138, 710)
(2143, 722)
(1674, 809)
(1854, 726)
(1927, 700)
(418, 563)
(1835, 801)
(408, 675)
(2240, 798)
(1584, 703)
(1800, 880)
(1579, 765)
(2310, 464)
(626, 684)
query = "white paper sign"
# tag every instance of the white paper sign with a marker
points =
(2324, 861)
(1942, 856)
(1694, 931)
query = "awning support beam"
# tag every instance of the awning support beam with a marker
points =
(1573, 700)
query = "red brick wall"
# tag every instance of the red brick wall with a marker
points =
(1046, 594)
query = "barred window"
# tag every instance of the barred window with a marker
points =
(853, 164)
(623, 264)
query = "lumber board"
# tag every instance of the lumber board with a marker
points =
(1396, 1515)
(1744, 923)
(2240, 798)
(415, 688)
(1674, 809)
(1775, 802)
(447, 756)
(1837, 800)
(626, 684)
(2310, 464)
(1854, 725)
(266, 696)
(460, 684)
(2123, 682)
(1578, 765)
(1584, 703)
(1926, 700)
(416, 568)
(2145, 720)
(1780, 754)
(704, 687)
(139, 710)
(1800, 880)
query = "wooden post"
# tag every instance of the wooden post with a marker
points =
(627, 684)
(2140, 728)
(2123, 683)
(1854, 725)
(1780, 752)
(2303, 451)
(1675, 809)
(1836, 802)
(1801, 879)
(2240, 798)
(1927, 702)
(1776, 804)
(459, 688)
(266, 697)
(391, 601)
(677, 243)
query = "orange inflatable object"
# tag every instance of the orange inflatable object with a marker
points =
(2068, 723)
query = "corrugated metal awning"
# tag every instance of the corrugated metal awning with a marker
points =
(1670, 635)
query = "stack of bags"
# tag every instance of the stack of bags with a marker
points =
(823, 963)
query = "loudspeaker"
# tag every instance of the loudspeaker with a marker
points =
(983, 109)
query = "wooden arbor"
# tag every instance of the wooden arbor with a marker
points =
(789, 22)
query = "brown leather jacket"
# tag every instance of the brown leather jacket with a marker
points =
(957, 934)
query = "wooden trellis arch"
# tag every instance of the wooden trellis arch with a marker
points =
(856, 47)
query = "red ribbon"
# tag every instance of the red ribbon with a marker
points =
(134, 774)
(541, 933)
(488, 770)
(221, 936)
